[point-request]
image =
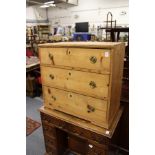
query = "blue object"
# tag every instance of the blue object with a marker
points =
(81, 36)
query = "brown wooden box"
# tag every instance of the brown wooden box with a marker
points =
(83, 79)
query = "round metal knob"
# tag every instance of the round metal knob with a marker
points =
(90, 108)
(92, 84)
(54, 98)
(93, 59)
(51, 76)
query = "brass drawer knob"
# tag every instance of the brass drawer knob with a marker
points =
(70, 95)
(92, 84)
(51, 76)
(93, 59)
(54, 98)
(90, 108)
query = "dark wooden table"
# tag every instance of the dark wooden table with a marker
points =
(32, 86)
(64, 133)
(32, 67)
(118, 30)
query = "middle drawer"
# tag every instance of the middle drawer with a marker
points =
(91, 84)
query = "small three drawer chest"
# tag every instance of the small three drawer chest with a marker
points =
(83, 79)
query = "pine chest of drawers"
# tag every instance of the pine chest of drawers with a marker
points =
(83, 79)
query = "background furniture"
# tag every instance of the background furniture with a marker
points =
(33, 82)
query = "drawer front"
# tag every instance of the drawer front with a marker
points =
(93, 59)
(91, 84)
(49, 131)
(74, 129)
(49, 141)
(81, 106)
(51, 151)
(96, 150)
(75, 144)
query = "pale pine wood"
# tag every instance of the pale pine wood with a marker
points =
(116, 80)
(108, 78)
(77, 82)
(84, 124)
(76, 104)
(89, 44)
(76, 58)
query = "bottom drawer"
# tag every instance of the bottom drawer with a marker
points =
(85, 107)
(84, 147)
(77, 145)
(48, 130)
(96, 149)
(51, 151)
(49, 141)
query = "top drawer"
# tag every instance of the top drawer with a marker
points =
(97, 60)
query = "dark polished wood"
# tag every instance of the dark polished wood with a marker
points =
(118, 30)
(32, 68)
(124, 122)
(61, 136)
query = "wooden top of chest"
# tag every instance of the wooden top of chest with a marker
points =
(83, 44)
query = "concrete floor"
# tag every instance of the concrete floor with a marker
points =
(35, 141)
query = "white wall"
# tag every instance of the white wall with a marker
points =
(35, 15)
(93, 11)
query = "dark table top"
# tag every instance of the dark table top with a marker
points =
(117, 29)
